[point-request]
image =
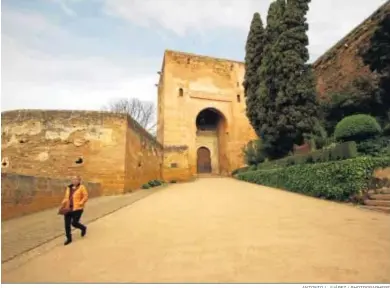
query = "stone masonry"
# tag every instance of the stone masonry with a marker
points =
(190, 84)
(22, 195)
(101, 147)
(342, 63)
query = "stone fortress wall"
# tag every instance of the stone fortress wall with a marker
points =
(102, 147)
(22, 195)
(342, 63)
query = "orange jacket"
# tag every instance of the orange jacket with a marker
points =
(80, 197)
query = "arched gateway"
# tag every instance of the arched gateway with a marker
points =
(210, 141)
(201, 104)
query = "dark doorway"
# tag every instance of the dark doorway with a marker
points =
(204, 160)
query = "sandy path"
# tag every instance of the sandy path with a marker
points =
(22, 234)
(222, 230)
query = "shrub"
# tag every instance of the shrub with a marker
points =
(253, 153)
(252, 168)
(239, 170)
(319, 138)
(320, 142)
(343, 151)
(154, 183)
(340, 151)
(360, 96)
(386, 130)
(310, 159)
(386, 152)
(357, 128)
(377, 146)
(337, 180)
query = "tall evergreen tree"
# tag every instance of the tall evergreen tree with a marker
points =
(254, 49)
(274, 21)
(267, 92)
(291, 91)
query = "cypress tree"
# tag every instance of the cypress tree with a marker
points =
(267, 92)
(292, 90)
(274, 21)
(254, 49)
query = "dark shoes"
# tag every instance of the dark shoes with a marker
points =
(83, 233)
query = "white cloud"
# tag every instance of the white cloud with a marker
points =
(329, 20)
(65, 6)
(33, 79)
(182, 16)
(35, 76)
(68, 11)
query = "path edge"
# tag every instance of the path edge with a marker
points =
(23, 257)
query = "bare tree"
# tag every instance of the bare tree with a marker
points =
(144, 112)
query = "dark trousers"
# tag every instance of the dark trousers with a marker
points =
(73, 218)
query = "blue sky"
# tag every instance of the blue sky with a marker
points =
(82, 54)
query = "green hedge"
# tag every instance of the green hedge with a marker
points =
(375, 147)
(338, 180)
(152, 183)
(240, 170)
(386, 130)
(357, 127)
(341, 151)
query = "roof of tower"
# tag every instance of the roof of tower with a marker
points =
(193, 55)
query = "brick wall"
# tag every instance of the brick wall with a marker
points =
(22, 194)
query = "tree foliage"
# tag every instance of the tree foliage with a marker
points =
(266, 93)
(361, 96)
(253, 153)
(368, 94)
(287, 94)
(274, 21)
(254, 49)
(377, 56)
